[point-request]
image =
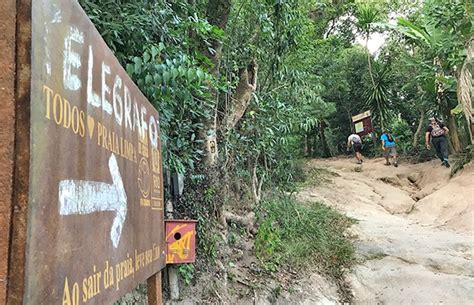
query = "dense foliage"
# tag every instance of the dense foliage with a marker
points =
(277, 80)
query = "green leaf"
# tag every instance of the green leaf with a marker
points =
(174, 73)
(166, 77)
(130, 69)
(161, 47)
(138, 65)
(191, 75)
(148, 79)
(412, 30)
(200, 74)
(146, 57)
(154, 51)
(157, 79)
(457, 110)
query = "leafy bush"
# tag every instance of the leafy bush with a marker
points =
(160, 44)
(176, 88)
(402, 133)
(186, 271)
(301, 234)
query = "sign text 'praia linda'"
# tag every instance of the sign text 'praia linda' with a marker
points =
(95, 224)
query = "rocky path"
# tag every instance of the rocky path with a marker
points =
(415, 230)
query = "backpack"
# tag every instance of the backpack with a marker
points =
(389, 137)
(437, 131)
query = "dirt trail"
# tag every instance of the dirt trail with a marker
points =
(415, 230)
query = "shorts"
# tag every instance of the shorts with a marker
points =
(357, 147)
(390, 151)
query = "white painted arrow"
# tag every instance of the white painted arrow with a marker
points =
(80, 197)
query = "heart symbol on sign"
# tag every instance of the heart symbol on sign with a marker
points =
(90, 124)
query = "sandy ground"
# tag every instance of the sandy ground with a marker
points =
(415, 229)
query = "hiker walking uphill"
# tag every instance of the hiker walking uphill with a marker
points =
(355, 142)
(437, 132)
(389, 148)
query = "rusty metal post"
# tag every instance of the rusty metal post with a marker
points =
(155, 296)
(21, 158)
(7, 133)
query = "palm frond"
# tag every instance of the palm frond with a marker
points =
(413, 31)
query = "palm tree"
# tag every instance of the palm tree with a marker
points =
(367, 16)
(377, 96)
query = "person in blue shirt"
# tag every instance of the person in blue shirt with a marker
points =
(389, 148)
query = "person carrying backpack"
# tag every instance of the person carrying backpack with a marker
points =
(437, 132)
(389, 148)
(355, 142)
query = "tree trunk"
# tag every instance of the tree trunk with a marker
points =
(257, 182)
(306, 145)
(326, 153)
(418, 129)
(438, 84)
(454, 142)
(242, 97)
(465, 90)
(317, 152)
(369, 59)
(453, 134)
(311, 144)
(217, 14)
(349, 117)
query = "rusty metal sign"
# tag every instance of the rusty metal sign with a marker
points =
(95, 215)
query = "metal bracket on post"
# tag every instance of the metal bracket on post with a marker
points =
(178, 185)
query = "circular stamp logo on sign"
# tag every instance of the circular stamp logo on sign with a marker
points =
(144, 177)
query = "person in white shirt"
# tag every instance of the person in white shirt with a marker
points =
(355, 142)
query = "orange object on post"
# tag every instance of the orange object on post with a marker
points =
(180, 241)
